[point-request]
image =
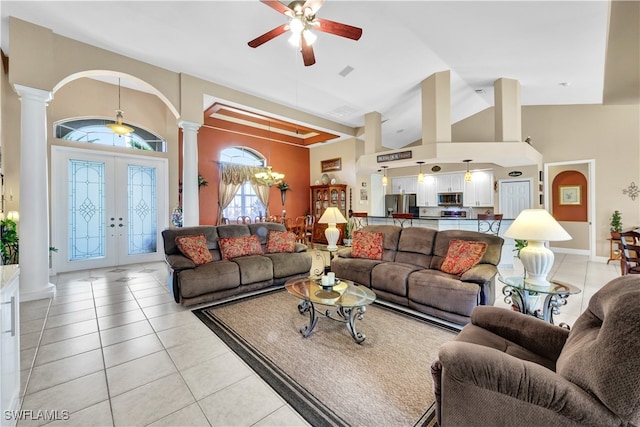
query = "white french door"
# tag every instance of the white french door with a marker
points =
(108, 209)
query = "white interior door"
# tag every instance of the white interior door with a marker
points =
(514, 197)
(108, 209)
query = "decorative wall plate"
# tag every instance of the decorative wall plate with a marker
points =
(325, 179)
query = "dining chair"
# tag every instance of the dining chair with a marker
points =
(225, 221)
(244, 219)
(630, 244)
(489, 223)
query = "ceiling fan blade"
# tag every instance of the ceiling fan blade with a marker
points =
(313, 5)
(307, 53)
(274, 4)
(269, 35)
(342, 30)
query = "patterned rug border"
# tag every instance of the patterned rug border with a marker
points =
(304, 402)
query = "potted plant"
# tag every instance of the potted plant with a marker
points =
(348, 232)
(615, 225)
(517, 264)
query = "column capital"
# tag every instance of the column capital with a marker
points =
(33, 93)
(192, 126)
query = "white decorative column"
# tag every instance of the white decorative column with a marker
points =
(34, 196)
(190, 200)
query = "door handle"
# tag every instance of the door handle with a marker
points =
(112, 225)
(13, 316)
(120, 225)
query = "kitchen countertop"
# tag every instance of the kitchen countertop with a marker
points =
(7, 272)
(436, 218)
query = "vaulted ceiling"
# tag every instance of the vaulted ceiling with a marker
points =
(556, 49)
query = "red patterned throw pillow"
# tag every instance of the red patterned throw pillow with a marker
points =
(233, 247)
(280, 241)
(367, 244)
(462, 255)
(194, 247)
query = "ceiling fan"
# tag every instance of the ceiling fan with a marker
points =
(302, 21)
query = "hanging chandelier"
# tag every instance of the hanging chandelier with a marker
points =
(118, 127)
(269, 177)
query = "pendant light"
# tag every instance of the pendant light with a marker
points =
(118, 127)
(467, 175)
(385, 181)
(420, 175)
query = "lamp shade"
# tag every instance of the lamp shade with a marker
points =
(538, 225)
(332, 215)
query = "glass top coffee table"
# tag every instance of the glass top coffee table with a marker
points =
(346, 302)
(525, 297)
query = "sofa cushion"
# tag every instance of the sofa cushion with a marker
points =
(254, 269)
(443, 291)
(416, 246)
(280, 241)
(392, 277)
(233, 230)
(611, 321)
(261, 229)
(233, 247)
(390, 241)
(357, 270)
(210, 277)
(462, 255)
(367, 245)
(441, 246)
(169, 236)
(194, 247)
(290, 264)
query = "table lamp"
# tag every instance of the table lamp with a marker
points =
(537, 227)
(332, 216)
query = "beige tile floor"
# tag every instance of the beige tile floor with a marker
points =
(113, 349)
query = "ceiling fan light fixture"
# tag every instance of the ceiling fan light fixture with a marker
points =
(309, 37)
(294, 40)
(296, 26)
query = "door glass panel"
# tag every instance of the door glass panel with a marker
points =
(142, 210)
(86, 210)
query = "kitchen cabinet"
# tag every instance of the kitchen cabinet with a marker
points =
(404, 184)
(9, 343)
(450, 182)
(427, 192)
(322, 197)
(479, 191)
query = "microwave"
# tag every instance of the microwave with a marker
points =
(449, 199)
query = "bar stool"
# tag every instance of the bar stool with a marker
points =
(489, 223)
(402, 218)
(360, 219)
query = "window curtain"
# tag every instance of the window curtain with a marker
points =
(232, 177)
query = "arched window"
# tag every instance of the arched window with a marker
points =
(95, 131)
(245, 202)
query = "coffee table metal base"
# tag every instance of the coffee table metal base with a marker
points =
(347, 315)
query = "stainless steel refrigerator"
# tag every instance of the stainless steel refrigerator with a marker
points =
(400, 203)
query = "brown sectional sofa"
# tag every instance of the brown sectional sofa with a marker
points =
(409, 272)
(191, 284)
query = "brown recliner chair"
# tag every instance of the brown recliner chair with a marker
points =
(506, 368)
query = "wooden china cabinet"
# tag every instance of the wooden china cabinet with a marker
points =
(323, 196)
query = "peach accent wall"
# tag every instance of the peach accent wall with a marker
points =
(291, 160)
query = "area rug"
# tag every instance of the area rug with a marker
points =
(327, 377)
